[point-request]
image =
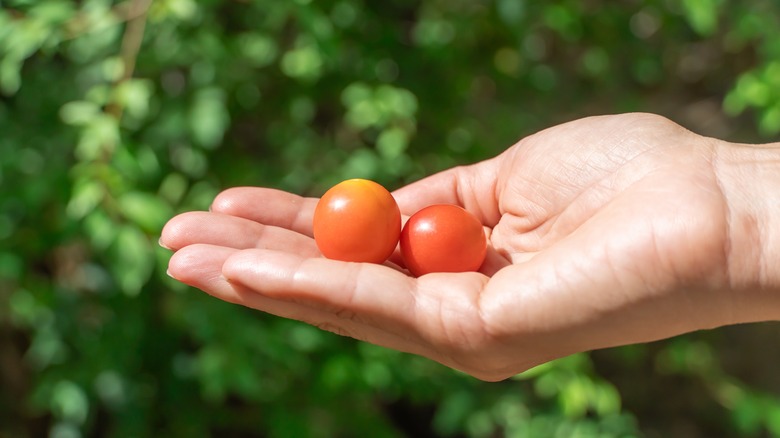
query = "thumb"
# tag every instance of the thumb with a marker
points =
(472, 187)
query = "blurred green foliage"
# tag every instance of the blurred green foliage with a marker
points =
(116, 115)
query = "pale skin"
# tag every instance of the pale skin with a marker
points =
(605, 231)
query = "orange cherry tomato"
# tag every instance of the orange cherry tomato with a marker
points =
(443, 238)
(357, 220)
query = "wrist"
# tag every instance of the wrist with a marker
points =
(749, 177)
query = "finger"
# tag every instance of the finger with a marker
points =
(431, 316)
(471, 187)
(354, 288)
(233, 232)
(268, 206)
(200, 266)
(287, 278)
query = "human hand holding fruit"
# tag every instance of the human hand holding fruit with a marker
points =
(604, 231)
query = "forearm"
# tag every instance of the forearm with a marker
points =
(749, 177)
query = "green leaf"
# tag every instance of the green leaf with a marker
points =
(10, 78)
(605, 399)
(211, 364)
(702, 15)
(113, 68)
(395, 101)
(363, 163)
(433, 32)
(69, 402)
(565, 20)
(392, 143)
(260, 49)
(209, 117)
(146, 210)
(511, 11)
(304, 62)
(87, 194)
(575, 396)
(132, 259)
(134, 96)
(747, 415)
(100, 229)
(27, 311)
(52, 12)
(100, 136)
(355, 93)
(769, 123)
(11, 265)
(773, 416)
(452, 411)
(535, 372)
(47, 346)
(184, 10)
(173, 188)
(79, 112)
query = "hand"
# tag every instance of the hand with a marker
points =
(605, 231)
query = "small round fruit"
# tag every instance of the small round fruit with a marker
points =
(357, 220)
(443, 238)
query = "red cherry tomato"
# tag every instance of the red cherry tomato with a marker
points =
(357, 220)
(443, 238)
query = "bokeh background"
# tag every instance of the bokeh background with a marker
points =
(114, 116)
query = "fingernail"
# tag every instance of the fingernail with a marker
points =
(160, 242)
(168, 273)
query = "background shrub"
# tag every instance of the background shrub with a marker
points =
(114, 116)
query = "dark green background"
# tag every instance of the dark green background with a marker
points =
(114, 116)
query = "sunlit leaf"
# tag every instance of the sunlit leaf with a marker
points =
(145, 209)
(304, 62)
(133, 259)
(392, 143)
(260, 49)
(69, 402)
(79, 112)
(702, 15)
(134, 96)
(87, 194)
(208, 117)
(10, 79)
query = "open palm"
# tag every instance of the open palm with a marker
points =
(604, 231)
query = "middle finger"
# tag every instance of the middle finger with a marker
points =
(233, 232)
